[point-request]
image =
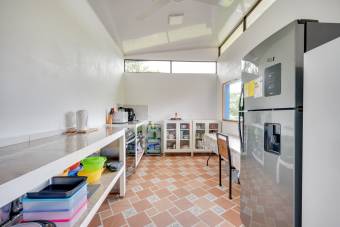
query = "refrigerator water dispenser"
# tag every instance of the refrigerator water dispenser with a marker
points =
(272, 138)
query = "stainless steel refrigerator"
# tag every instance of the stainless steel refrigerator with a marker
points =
(270, 124)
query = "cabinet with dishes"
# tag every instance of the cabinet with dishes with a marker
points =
(201, 127)
(177, 136)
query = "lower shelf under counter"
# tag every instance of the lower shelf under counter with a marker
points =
(27, 166)
(106, 183)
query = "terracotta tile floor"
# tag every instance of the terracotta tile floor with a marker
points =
(173, 191)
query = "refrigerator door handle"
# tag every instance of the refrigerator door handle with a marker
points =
(240, 118)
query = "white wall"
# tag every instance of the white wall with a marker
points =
(277, 16)
(55, 56)
(192, 96)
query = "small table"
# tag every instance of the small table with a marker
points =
(210, 143)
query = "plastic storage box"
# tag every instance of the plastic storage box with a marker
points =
(60, 187)
(54, 215)
(55, 204)
(71, 222)
(5, 212)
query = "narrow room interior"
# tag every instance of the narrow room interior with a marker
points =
(173, 113)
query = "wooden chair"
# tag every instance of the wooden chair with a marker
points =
(224, 153)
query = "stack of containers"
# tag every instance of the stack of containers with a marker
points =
(62, 202)
(93, 168)
(74, 169)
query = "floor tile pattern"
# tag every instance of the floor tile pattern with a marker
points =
(173, 191)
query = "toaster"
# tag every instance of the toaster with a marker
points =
(120, 117)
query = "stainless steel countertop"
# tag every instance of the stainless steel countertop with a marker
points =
(36, 160)
(130, 124)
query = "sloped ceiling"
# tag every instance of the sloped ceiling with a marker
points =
(141, 26)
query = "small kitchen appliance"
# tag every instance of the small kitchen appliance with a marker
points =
(120, 117)
(130, 111)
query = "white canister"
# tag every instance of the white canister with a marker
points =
(70, 120)
(82, 117)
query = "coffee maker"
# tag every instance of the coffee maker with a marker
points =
(130, 111)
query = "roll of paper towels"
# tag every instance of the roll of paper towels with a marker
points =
(82, 117)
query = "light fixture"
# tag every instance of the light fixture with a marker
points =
(176, 19)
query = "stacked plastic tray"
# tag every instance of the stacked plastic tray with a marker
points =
(62, 202)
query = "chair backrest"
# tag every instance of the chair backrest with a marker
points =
(223, 146)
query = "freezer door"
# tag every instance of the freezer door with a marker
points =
(267, 169)
(272, 72)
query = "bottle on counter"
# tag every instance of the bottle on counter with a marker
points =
(109, 117)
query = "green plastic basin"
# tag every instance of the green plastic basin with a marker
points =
(93, 163)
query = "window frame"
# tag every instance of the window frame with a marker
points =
(138, 60)
(215, 62)
(232, 37)
(257, 11)
(171, 70)
(223, 99)
(245, 25)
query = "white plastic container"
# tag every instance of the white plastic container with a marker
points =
(54, 215)
(82, 118)
(74, 220)
(70, 120)
(63, 204)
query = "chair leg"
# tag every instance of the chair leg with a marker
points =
(220, 169)
(209, 158)
(230, 182)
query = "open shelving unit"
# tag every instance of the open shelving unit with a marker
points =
(50, 156)
(140, 142)
(154, 138)
(101, 191)
(136, 147)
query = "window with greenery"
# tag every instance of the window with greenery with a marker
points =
(136, 66)
(231, 96)
(147, 66)
(193, 67)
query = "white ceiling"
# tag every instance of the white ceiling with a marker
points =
(138, 26)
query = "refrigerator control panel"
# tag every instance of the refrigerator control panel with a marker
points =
(272, 80)
(272, 138)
